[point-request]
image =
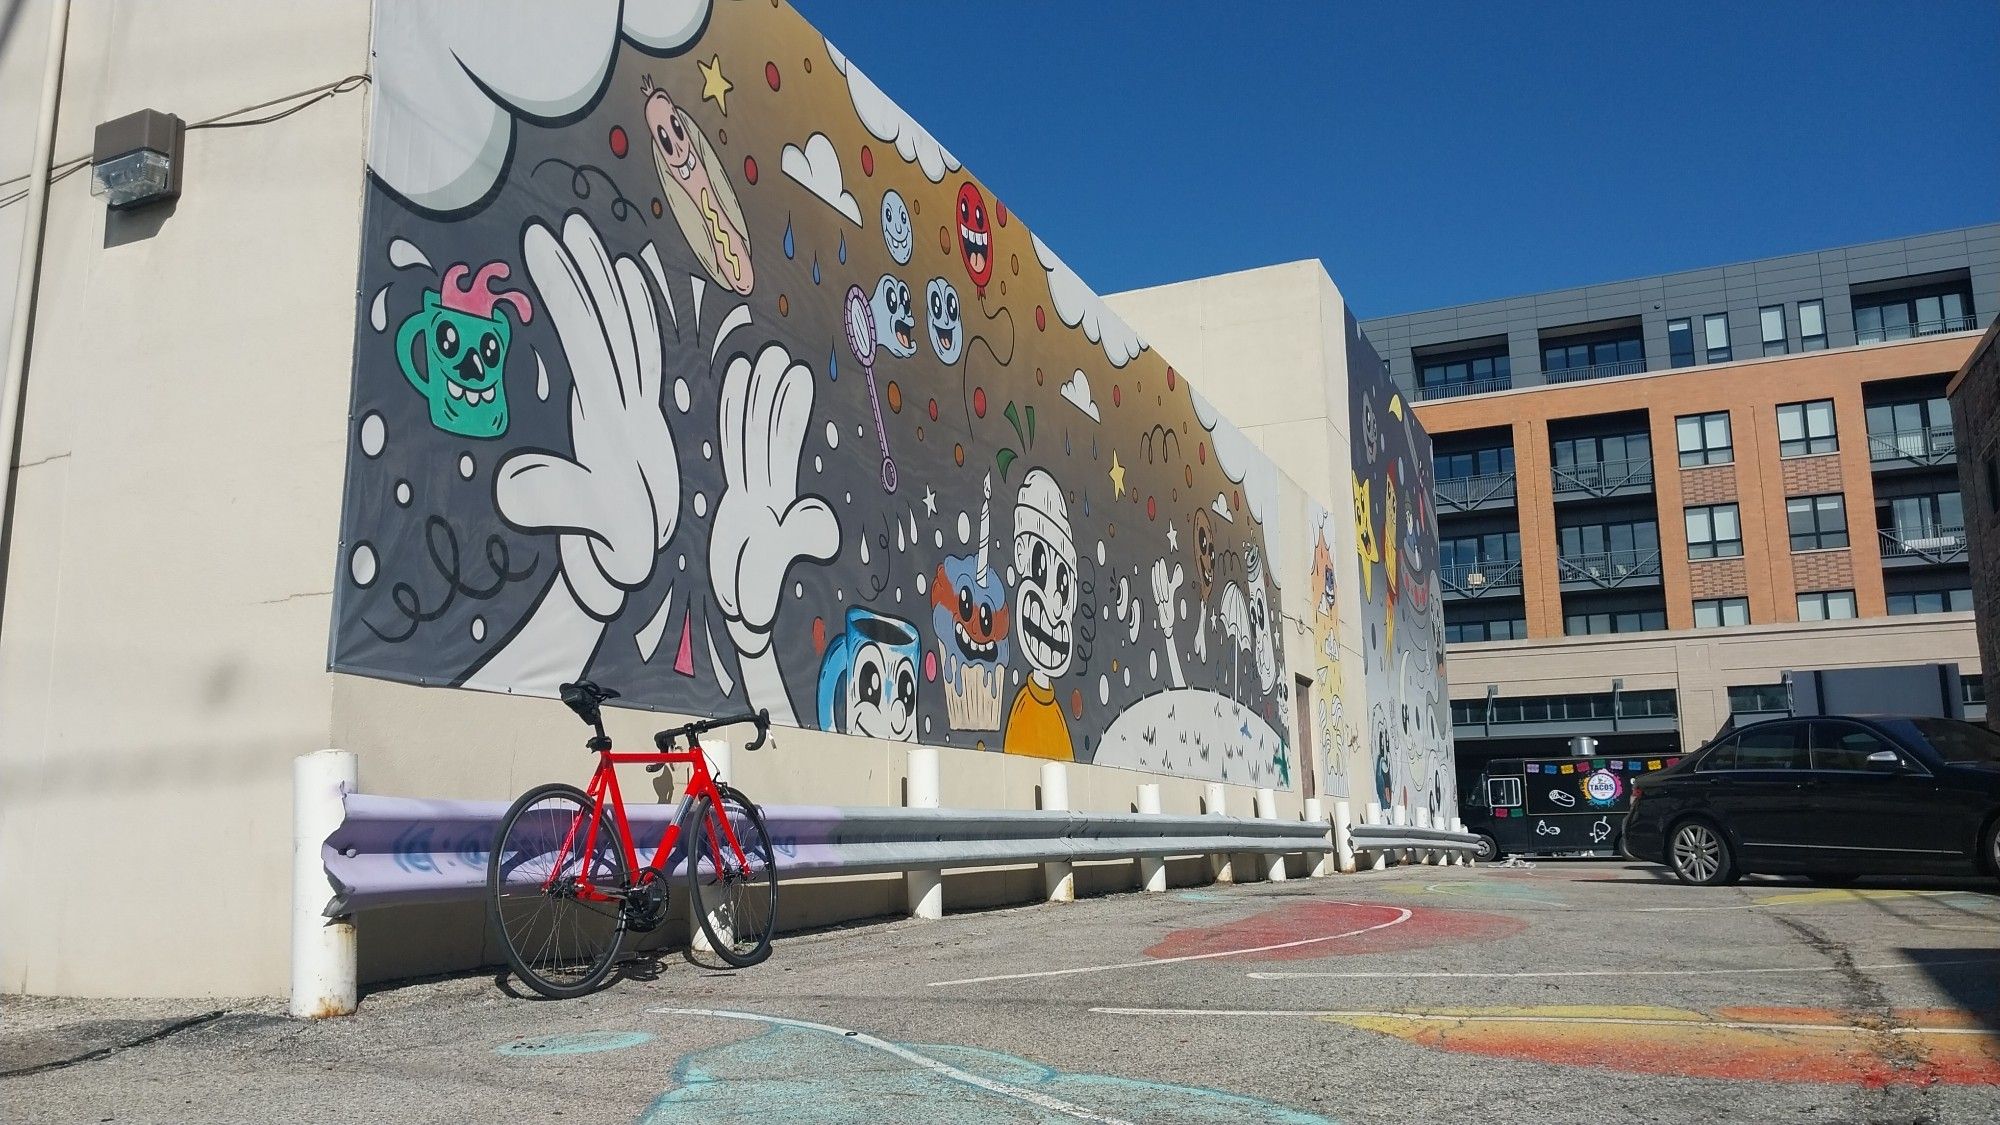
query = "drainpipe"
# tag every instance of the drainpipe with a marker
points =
(28, 279)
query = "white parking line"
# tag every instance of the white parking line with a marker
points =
(1903, 966)
(935, 1066)
(1402, 915)
(1621, 1021)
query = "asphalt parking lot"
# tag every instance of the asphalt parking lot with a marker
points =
(1571, 991)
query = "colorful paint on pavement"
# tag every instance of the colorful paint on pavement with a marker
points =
(574, 1043)
(1272, 935)
(1912, 1047)
(798, 1072)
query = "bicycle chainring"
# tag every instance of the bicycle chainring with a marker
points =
(646, 905)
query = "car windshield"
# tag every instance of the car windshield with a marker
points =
(1960, 743)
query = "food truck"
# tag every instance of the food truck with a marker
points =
(1550, 806)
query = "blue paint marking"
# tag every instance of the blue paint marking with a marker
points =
(796, 1075)
(1201, 896)
(575, 1043)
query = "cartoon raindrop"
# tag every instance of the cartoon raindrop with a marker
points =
(378, 311)
(843, 250)
(815, 269)
(790, 249)
(541, 378)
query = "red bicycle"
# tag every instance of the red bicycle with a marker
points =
(564, 884)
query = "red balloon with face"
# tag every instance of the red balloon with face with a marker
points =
(975, 236)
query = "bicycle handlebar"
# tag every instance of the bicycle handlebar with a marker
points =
(664, 740)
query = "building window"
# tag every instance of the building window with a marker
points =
(1922, 518)
(1714, 531)
(1480, 560)
(1680, 342)
(1806, 427)
(1812, 325)
(1930, 601)
(1750, 699)
(1719, 613)
(1903, 316)
(1474, 632)
(1827, 605)
(1476, 463)
(1464, 374)
(1816, 522)
(1920, 430)
(1771, 320)
(1715, 333)
(1624, 544)
(1704, 439)
(1972, 689)
(1625, 621)
(1619, 353)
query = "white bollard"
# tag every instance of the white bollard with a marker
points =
(719, 760)
(1221, 864)
(926, 887)
(1152, 868)
(1267, 809)
(1343, 836)
(323, 952)
(1459, 857)
(1377, 817)
(1058, 877)
(1319, 864)
(1423, 820)
(1399, 816)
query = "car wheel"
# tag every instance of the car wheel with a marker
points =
(1993, 848)
(1487, 850)
(1699, 855)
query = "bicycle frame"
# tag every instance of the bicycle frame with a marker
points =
(604, 786)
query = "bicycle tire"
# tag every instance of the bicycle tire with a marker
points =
(558, 945)
(736, 906)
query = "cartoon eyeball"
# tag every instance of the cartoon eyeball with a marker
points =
(895, 317)
(897, 233)
(946, 327)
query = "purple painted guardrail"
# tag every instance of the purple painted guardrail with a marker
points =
(395, 850)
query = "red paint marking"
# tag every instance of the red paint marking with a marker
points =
(1426, 927)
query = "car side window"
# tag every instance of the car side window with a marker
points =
(1721, 757)
(1844, 746)
(1780, 746)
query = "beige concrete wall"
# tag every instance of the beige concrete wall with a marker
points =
(1701, 665)
(163, 647)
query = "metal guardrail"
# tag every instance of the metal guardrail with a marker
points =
(1370, 838)
(1930, 446)
(1915, 329)
(392, 851)
(1467, 493)
(1610, 568)
(1476, 579)
(1602, 478)
(1934, 544)
(1465, 387)
(1595, 371)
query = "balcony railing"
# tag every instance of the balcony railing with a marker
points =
(1933, 446)
(1477, 579)
(1595, 371)
(1603, 478)
(1912, 330)
(1922, 544)
(1610, 569)
(1465, 494)
(1465, 387)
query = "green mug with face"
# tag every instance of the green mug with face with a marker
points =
(454, 351)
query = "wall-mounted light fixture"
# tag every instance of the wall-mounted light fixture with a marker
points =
(136, 159)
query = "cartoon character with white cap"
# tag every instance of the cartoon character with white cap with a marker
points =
(1045, 601)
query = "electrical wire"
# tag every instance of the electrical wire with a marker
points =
(221, 121)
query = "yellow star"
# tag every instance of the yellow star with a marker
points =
(714, 87)
(1117, 476)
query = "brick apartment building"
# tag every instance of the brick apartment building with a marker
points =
(1975, 409)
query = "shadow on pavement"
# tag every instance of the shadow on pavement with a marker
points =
(1973, 985)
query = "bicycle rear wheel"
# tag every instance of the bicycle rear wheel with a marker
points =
(735, 900)
(559, 944)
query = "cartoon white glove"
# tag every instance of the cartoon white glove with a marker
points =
(762, 525)
(1166, 587)
(616, 499)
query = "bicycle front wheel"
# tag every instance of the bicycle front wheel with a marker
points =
(559, 942)
(733, 888)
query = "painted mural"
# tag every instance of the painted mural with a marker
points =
(688, 362)
(1405, 731)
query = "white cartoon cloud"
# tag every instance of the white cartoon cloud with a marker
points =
(1077, 391)
(450, 80)
(1220, 506)
(887, 121)
(1080, 307)
(1245, 464)
(817, 169)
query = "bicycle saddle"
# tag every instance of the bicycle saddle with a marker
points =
(583, 698)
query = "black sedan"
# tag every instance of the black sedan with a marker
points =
(1831, 798)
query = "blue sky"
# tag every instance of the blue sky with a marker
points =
(1432, 154)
